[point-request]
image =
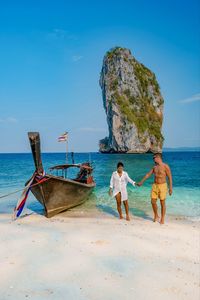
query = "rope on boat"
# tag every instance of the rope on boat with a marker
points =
(20, 190)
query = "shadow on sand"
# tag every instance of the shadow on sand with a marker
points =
(140, 213)
(134, 211)
(36, 208)
(107, 209)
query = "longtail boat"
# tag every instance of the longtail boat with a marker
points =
(58, 193)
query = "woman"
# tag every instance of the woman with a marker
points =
(118, 189)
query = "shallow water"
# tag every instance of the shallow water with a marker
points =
(15, 169)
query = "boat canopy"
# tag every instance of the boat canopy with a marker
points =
(66, 166)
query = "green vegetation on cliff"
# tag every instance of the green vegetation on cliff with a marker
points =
(145, 119)
(114, 51)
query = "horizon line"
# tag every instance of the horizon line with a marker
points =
(195, 148)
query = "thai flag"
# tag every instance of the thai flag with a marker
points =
(63, 137)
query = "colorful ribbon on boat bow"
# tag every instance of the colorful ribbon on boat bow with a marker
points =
(22, 201)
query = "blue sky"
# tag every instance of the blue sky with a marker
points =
(51, 55)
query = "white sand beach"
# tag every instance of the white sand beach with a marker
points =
(79, 256)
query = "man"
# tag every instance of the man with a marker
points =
(159, 188)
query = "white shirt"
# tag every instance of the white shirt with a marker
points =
(119, 183)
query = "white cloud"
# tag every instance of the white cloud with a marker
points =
(194, 98)
(8, 120)
(76, 57)
(12, 120)
(60, 34)
(92, 129)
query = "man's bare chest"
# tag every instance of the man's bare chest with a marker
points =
(159, 171)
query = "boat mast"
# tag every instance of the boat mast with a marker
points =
(72, 157)
(67, 149)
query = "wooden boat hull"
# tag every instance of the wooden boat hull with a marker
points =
(58, 194)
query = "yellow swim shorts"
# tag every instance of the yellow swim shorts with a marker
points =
(159, 190)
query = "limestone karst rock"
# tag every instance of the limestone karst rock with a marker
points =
(133, 105)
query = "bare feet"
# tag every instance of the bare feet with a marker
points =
(127, 218)
(156, 219)
(162, 221)
(121, 217)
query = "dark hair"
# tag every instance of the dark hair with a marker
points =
(120, 164)
(157, 154)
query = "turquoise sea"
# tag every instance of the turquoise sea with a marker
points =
(15, 169)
